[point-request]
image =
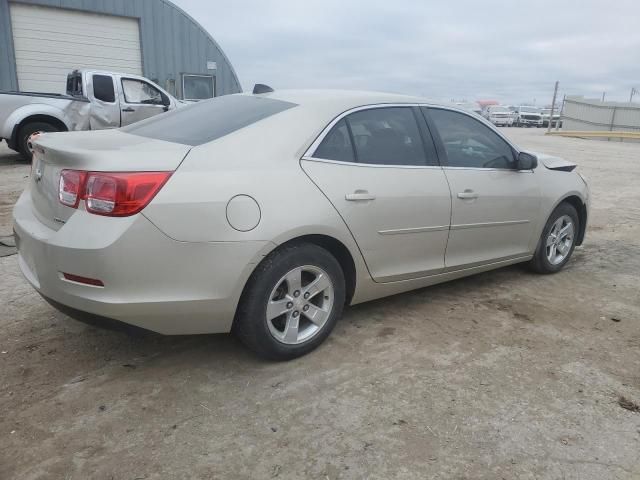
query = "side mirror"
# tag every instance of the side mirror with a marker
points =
(526, 161)
(166, 101)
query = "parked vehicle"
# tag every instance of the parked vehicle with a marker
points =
(500, 115)
(470, 107)
(265, 214)
(527, 117)
(546, 114)
(94, 100)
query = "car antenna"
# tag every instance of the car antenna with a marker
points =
(261, 88)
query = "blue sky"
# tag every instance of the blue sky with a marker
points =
(512, 50)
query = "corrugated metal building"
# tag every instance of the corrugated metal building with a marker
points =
(581, 113)
(42, 40)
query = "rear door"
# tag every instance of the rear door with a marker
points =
(494, 206)
(379, 169)
(139, 100)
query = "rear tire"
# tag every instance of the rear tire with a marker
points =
(558, 240)
(26, 131)
(306, 283)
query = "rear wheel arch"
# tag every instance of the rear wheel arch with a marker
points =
(334, 246)
(304, 254)
(40, 118)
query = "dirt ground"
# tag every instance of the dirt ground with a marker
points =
(499, 376)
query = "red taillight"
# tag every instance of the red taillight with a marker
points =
(70, 187)
(114, 194)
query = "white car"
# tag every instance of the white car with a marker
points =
(500, 115)
(267, 213)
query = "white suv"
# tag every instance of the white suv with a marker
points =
(527, 117)
(500, 115)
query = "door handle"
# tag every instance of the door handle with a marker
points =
(468, 195)
(128, 109)
(359, 196)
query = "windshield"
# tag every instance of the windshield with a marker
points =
(208, 120)
(529, 110)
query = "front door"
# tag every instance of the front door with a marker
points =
(378, 168)
(495, 207)
(140, 100)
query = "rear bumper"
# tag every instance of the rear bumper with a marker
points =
(150, 280)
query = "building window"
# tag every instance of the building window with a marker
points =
(198, 87)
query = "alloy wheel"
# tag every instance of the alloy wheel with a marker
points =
(300, 304)
(560, 240)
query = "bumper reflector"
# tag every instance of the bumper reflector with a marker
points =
(85, 280)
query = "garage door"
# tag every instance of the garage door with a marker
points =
(50, 42)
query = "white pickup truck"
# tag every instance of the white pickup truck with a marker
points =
(94, 100)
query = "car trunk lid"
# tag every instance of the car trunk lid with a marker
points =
(102, 151)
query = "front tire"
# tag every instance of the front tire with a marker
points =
(291, 303)
(557, 241)
(25, 133)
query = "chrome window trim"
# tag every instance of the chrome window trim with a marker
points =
(309, 153)
(370, 165)
(513, 170)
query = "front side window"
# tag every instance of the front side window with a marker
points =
(103, 88)
(137, 91)
(469, 143)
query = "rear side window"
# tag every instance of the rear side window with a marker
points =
(74, 84)
(337, 144)
(378, 136)
(103, 88)
(208, 120)
(387, 136)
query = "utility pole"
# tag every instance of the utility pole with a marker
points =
(553, 106)
(561, 112)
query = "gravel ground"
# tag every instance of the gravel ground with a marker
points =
(502, 375)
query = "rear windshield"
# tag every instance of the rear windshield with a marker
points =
(208, 120)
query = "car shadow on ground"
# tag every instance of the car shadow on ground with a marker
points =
(120, 342)
(9, 158)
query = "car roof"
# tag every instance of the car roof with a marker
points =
(344, 99)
